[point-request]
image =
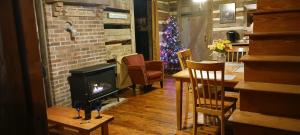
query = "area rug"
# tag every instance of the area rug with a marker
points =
(112, 102)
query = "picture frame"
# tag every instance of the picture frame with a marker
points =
(227, 13)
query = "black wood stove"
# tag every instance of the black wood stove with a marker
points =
(90, 84)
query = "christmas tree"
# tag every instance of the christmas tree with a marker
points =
(169, 45)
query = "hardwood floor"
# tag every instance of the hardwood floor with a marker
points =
(148, 112)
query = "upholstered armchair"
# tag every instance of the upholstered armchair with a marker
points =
(144, 72)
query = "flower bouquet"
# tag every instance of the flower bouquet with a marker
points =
(219, 48)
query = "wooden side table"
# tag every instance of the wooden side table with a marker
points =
(64, 117)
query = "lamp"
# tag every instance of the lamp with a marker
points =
(69, 27)
(199, 1)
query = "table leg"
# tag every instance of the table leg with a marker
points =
(104, 129)
(179, 103)
(82, 132)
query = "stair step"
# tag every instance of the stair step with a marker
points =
(276, 20)
(268, 87)
(286, 45)
(277, 4)
(270, 98)
(272, 70)
(270, 58)
(249, 123)
(275, 11)
(273, 34)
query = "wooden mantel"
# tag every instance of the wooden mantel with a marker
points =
(81, 2)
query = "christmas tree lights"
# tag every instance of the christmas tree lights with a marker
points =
(170, 45)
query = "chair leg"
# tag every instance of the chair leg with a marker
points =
(222, 125)
(161, 84)
(205, 119)
(133, 87)
(117, 96)
(147, 87)
(187, 105)
(234, 107)
(195, 118)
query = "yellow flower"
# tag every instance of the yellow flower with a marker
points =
(226, 42)
(220, 45)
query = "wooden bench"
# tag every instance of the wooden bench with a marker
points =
(63, 118)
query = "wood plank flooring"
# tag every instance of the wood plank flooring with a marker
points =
(148, 112)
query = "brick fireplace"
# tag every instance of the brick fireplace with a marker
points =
(65, 52)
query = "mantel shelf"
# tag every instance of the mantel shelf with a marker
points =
(81, 2)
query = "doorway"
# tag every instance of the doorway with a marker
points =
(143, 27)
(196, 29)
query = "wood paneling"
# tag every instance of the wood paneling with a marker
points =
(116, 21)
(238, 13)
(163, 6)
(117, 38)
(22, 100)
(117, 33)
(239, 22)
(32, 65)
(163, 16)
(120, 4)
(93, 2)
(240, 19)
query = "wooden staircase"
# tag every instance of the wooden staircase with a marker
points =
(270, 92)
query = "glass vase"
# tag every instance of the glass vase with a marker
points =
(221, 57)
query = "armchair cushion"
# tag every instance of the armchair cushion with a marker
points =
(142, 72)
(154, 65)
(135, 60)
(136, 67)
(153, 74)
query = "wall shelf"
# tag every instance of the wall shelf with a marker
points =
(81, 2)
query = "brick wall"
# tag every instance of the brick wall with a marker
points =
(64, 53)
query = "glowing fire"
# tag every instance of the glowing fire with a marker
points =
(97, 88)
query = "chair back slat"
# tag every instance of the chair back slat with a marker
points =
(183, 56)
(208, 89)
(210, 95)
(216, 88)
(197, 86)
(235, 54)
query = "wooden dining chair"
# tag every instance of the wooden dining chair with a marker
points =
(209, 100)
(236, 53)
(183, 56)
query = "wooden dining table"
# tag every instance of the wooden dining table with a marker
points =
(233, 74)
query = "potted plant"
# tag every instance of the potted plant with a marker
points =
(219, 48)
